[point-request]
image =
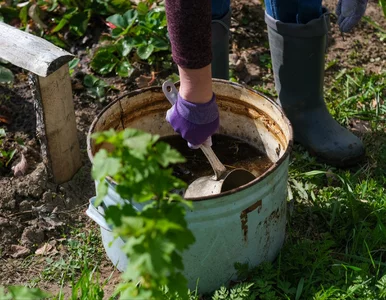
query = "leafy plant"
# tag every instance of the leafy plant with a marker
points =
(84, 250)
(266, 61)
(156, 235)
(96, 88)
(240, 291)
(22, 292)
(382, 3)
(137, 34)
(6, 155)
(52, 19)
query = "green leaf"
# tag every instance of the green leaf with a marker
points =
(142, 8)
(313, 173)
(90, 80)
(79, 23)
(159, 44)
(23, 15)
(299, 289)
(145, 51)
(139, 142)
(104, 60)
(130, 17)
(117, 32)
(10, 156)
(125, 45)
(6, 75)
(104, 165)
(102, 189)
(382, 3)
(118, 20)
(167, 155)
(125, 69)
(63, 22)
(73, 63)
(22, 292)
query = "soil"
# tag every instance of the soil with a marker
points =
(34, 210)
(232, 152)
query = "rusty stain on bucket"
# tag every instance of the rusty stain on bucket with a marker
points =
(244, 217)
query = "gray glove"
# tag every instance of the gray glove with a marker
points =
(349, 13)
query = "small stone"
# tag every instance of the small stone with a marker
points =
(3, 221)
(253, 71)
(239, 65)
(25, 205)
(47, 197)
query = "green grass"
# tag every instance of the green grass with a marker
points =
(336, 234)
(82, 250)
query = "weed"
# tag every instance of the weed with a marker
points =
(382, 4)
(96, 88)
(81, 249)
(6, 155)
(362, 97)
(266, 61)
(88, 286)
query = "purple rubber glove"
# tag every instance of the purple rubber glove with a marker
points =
(195, 122)
(349, 13)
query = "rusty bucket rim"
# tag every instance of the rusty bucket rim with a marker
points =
(214, 80)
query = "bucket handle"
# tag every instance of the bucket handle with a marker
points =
(98, 217)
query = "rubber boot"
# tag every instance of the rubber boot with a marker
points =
(220, 47)
(297, 52)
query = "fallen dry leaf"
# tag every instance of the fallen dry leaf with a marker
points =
(19, 251)
(45, 249)
(21, 167)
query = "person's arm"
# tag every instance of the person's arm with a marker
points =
(189, 26)
(195, 115)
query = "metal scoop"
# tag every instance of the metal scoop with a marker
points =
(223, 179)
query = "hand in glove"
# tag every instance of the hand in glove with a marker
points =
(349, 13)
(196, 122)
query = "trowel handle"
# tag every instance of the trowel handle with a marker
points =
(218, 168)
(170, 91)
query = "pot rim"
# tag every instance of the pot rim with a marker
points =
(214, 80)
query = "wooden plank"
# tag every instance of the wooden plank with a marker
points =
(56, 125)
(31, 52)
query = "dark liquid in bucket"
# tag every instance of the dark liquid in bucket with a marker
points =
(232, 152)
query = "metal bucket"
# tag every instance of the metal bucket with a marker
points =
(245, 225)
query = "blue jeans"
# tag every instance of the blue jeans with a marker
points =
(288, 11)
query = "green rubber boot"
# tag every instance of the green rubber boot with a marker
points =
(297, 52)
(220, 47)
